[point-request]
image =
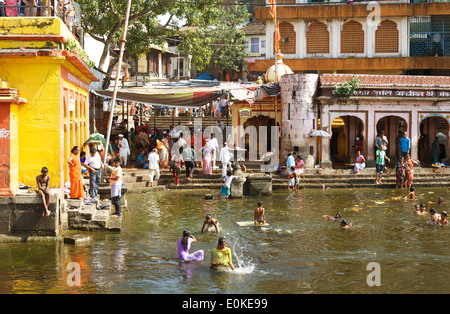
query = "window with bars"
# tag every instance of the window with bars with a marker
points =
(317, 38)
(352, 38)
(429, 36)
(386, 37)
(287, 38)
(255, 45)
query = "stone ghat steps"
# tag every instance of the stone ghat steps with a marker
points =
(88, 217)
(312, 178)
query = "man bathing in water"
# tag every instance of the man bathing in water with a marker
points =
(43, 182)
(260, 216)
(211, 224)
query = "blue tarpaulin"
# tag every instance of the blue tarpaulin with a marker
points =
(205, 76)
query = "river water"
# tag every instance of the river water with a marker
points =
(298, 252)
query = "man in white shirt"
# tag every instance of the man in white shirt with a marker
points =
(225, 159)
(124, 150)
(153, 165)
(215, 145)
(94, 164)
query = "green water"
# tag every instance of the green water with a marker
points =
(299, 252)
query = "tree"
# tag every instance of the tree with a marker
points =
(103, 20)
(219, 46)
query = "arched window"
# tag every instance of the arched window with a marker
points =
(352, 38)
(287, 38)
(386, 37)
(317, 38)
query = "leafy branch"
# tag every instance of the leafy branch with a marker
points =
(347, 88)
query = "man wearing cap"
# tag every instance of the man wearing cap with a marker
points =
(124, 150)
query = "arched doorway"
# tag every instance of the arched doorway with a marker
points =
(257, 122)
(393, 128)
(347, 137)
(430, 128)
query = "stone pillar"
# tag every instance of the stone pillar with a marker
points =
(237, 184)
(299, 116)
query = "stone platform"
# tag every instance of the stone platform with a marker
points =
(21, 215)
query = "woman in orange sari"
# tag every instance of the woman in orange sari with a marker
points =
(163, 154)
(76, 179)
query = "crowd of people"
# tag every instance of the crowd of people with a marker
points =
(404, 168)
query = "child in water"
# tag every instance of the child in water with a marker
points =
(260, 216)
(211, 224)
(443, 219)
(434, 215)
(337, 217)
(411, 195)
(226, 186)
(345, 225)
(291, 182)
(419, 210)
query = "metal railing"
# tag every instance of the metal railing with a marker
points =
(429, 36)
(52, 8)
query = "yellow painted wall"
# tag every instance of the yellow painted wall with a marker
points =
(41, 138)
(14, 144)
(76, 124)
(38, 81)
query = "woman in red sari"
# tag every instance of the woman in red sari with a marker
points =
(76, 179)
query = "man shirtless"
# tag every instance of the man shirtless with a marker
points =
(210, 223)
(43, 182)
(260, 216)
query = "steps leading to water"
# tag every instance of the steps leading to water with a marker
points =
(137, 179)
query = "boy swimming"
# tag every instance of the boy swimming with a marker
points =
(337, 217)
(345, 225)
(260, 216)
(411, 195)
(434, 215)
(443, 219)
(419, 210)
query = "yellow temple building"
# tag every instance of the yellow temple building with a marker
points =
(45, 65)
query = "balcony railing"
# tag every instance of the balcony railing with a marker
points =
(68, 13)
(429, 36)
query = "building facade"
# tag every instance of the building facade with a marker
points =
(395, 37)
(42, 60)
(394, 104)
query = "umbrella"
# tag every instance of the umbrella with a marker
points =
(97, 138)
(319, 133)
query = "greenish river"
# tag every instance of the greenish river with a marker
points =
(298, 252)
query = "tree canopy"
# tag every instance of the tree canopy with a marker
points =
(207, 29)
